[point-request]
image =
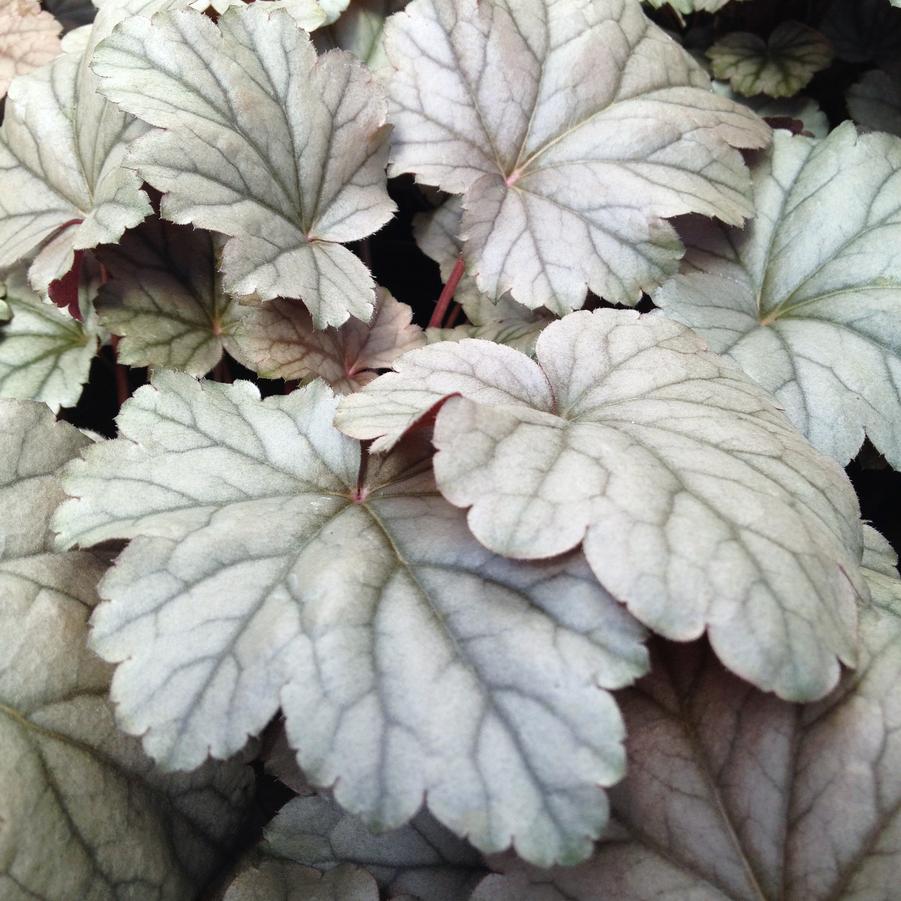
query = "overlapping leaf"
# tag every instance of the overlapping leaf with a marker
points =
(778, 67)
(875, 101)
(278, 340)
(504, 321)
(564, 190)
(801, 114)
(360, 29)
(165, 298)
(45, 354)
(735, 795)
(697, 503)
(407, 659)
(280, 880)
(262, 142)
(83, 814)
(29, 38)
(63, 185)
(807, 298)
(421, 859)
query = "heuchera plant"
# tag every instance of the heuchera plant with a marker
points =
(551, 588)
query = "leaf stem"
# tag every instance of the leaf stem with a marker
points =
(123, 389)
(447, 294)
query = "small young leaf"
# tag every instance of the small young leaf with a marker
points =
(278, 340)
(63, 184)
(45, 354)
(407, 659)
(732, 794)
(564, 190)
(875, 101)
(279, 880)
(698, 504)
(778, 67)
(422, 858)
(261, 141)
(165, 298)
(503, 321)
(83, 814)
(806, 299)
(29, 38)
(361, 29)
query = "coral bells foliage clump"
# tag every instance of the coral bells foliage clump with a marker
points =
(319, 581)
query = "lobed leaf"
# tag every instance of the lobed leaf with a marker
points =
(408, 661)
(63, 183)
(733, 794)
(779, 67)
(29, 38)
(806, 298)
(697, 503)
(45, 354)
(565, 191)
(875, 102)
(260, 140)
(165, 298)
(277, 880)
(421, 858)
(83, 814)
(279, 341)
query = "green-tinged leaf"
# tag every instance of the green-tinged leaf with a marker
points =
(875, 101)
(408, 661)
(262, 142)
(165, 298)
(63, 185)
(45, 354)
(697, 503)
(279, 880)
(29, 38)
(779, 67)
(564, 191)
(733, 795)
(504, 321)
(360, 29)
(279, 341)
(422, 858)
(806, 299)
(83, 814)
(863, 30)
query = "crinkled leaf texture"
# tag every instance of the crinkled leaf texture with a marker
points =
(565, 190)
(279, 341)
(165, 298)
(697, 503)
(83, 813)
(282, 880)
(260, 140)
(875, 101)
(29, 38)
(733, 794)
(778, 67)
(408, 660)
(63, 185)
(45, 354)
(422, 859)
(503, 320)
(806, 299)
